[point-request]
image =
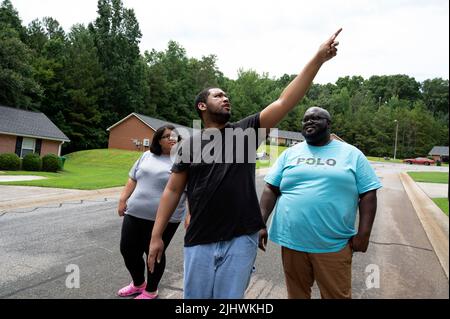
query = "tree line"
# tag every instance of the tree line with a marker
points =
(93, 76)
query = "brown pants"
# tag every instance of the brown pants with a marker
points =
(332, 271)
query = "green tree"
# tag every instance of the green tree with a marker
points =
(9, 19)
(36, 37)
(174, 79)
(352, 84)
(83, 83)
(382, 88)
(435, 96)
(49, 44)
(117, 36)
(18, 87)
(383, 127)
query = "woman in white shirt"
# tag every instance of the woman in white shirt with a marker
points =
(138, 204)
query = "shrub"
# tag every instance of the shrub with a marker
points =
(9, 162)
(31, 162)
(51, 163)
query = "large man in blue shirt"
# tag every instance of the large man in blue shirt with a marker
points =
(318, 186)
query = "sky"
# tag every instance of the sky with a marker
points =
(379, 37)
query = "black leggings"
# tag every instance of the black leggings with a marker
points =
(136, 235)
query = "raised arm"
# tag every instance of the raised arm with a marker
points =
(169, 201)
(297, 89)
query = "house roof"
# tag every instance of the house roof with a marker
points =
(439, 150)
(29, 124)
(286, 134)
(153, 123)
(335, 137)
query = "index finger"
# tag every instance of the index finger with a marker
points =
(334, 36)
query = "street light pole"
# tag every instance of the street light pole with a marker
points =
(396, 134)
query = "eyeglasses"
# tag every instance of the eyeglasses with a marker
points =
(314, 119)
(172, 137)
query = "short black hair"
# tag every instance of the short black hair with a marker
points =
(202, 97)
(155, 148)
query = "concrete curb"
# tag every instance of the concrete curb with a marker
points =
(434, 222)
(60, 198)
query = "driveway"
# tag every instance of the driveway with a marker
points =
(434, 190)
(16, 197)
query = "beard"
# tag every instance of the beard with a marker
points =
(220, 117)
(318, 136)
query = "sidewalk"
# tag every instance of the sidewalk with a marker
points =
(16, 197)
(12, 178)
(434, 221)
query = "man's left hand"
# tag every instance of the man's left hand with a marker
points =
(359, 243)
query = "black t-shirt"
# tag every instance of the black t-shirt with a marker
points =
(221, 192)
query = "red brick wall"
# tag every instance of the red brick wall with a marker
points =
(49, 147)
(122, 135)
(7, 143)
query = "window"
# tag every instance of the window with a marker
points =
(28, 146)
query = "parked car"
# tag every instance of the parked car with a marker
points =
(418, 160)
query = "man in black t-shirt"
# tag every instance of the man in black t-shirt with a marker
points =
(217, 168)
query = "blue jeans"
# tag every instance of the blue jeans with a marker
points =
(219, 270)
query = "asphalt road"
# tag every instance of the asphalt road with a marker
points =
(43, 249)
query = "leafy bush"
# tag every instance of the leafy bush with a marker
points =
(51, 163)
(31, 162)
(9, 162)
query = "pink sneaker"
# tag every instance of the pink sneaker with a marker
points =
(147, 295)
(131, 289)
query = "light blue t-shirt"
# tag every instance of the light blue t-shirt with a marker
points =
(320, 187)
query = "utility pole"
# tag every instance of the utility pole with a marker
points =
(396, 135)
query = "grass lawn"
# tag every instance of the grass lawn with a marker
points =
(429, 177)
(92, 169)
(267, 148)
(442, 203)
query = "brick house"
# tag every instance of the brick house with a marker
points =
(439, 153)
(285, 138)
(135, 132)
(24, 132)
